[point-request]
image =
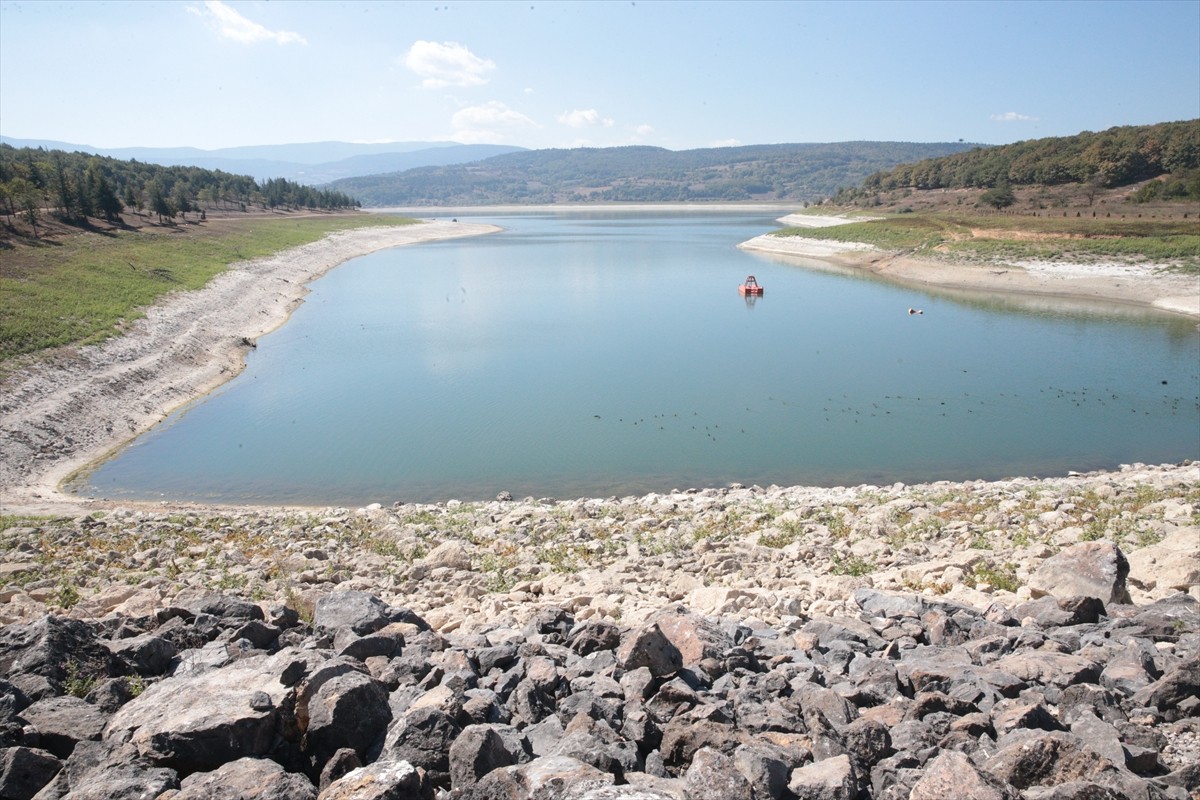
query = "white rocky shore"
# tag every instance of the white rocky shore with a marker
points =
(772, 554)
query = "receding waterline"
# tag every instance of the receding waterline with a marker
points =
(608, 353)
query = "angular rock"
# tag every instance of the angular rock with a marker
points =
(382, 780)
(197, 723)
(1172, 564)
(649, 647)
(694, 637)
(547, 778)
(25, 770)
(63, 721)
(362, 612)
(423, 738)
(478, 750)
(714, 774)
(246, 779)
(832, 779)
(349, 710)
(1173, 687)
(951, 774)
(1094, 569)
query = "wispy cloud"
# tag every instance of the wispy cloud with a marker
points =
(447, 64)
(726, 143)
(232, 25)
(1013, 116)
(644, 130)
(490, 122)
(584, 118)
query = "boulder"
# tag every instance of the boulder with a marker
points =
(349, 710)
(832, 779)
(714, 774)
(199, 722)
(952, 774)
(1171, 565)
(246, 779)
(63, 721)
(1093, 569)
(383, 780)
(647, 646)
(362, 612)
(546, 778)
(25, 770)
(478, 750)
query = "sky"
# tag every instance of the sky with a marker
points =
(538, 74)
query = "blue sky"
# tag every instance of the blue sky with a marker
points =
(221, 73)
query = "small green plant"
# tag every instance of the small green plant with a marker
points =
(1003, 577)
(852, 565)
(67, 595)
(77, 684)
(787, 531)
(499, 572)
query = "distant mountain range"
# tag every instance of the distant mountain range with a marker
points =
(763, 173)
(311, 163)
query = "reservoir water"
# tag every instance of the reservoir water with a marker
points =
(609, 353)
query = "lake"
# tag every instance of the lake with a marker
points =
(600, 353)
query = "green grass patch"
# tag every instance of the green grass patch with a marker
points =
(87, 288)
(1009, 237)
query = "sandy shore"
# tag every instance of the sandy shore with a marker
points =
(59, 416)
(1144, 285)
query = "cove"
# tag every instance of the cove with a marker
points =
(600, 353)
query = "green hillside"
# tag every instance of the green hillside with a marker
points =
(764, 173)
(1115, 157)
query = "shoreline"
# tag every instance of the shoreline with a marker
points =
(63, 415)
(1143, 286)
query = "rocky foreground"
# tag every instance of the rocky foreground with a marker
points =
(1016, 639)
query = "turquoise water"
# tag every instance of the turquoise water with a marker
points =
(597, 354)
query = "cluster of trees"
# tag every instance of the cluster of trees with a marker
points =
(793, 172)
(1115, 157)
(76, 186)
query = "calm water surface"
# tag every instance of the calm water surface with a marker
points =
(593, 354)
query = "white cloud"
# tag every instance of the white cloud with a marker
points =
(232, 25)
(644, 130)
(447, 64)
(1013, 116)
(490, 122)
(726, 143)
(584, 118)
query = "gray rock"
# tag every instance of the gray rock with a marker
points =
(423, 737)
(832, 779)
(478, 750)
(382, 780)
(1180, 683)
(147, 654)
(197, 723)
(246, 779)
(363, 613)
(547, 778)
(348, 710)
(952, 774)
(25, 770)
(63, 721)
(649, 647)
(1093, 569)
(714, 774)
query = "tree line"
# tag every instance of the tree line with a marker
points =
(77, 186)
(1116, 157)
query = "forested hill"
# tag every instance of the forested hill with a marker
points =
(76, 186)
(1115, 157)
(765, 173)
